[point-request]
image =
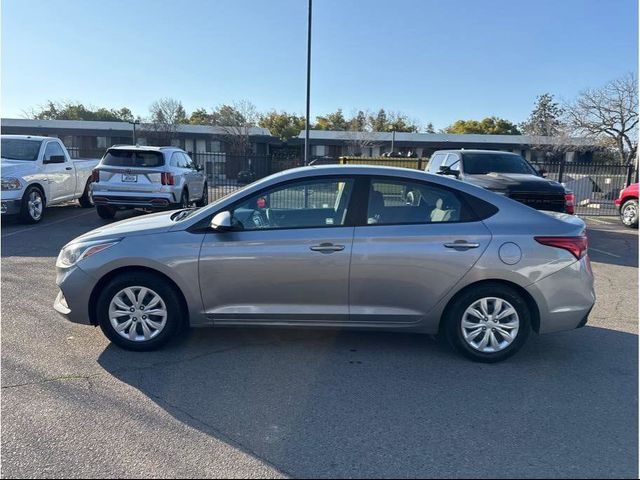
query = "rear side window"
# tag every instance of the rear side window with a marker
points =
(133, 158)
(396, 202)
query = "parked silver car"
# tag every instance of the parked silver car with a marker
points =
(337, 246)
(147, 178)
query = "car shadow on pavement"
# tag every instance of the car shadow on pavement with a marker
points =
(369, 404)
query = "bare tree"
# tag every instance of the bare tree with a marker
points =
(357, 141)
(610, 115)
(166, 115)
(236, 122)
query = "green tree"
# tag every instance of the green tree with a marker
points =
(201, 117)
(544, 119)
(332, 121)
(282, 124)
(228, 116)
(77, 111)
(487, 126)
(430, 128)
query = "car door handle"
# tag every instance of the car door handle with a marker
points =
(327, 248)
(68, 168)
(461, 245)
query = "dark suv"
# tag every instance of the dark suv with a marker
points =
(504, 173)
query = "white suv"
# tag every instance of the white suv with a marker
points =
(147, 178)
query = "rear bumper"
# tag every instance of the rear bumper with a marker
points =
(565, 298)
(156, 200)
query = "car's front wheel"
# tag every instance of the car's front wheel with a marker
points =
(32, 205)
(488, 323)
(205, 197)
(139, 311)
(629, 213)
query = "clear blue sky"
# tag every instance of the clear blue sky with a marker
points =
(435, 60)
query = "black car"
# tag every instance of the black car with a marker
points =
(504, 173)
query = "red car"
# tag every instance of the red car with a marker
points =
(627, 202)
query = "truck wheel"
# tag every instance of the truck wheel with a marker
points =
(85, 200)
(32, 206)
(629, 213)
(205, 197)
(108, 213)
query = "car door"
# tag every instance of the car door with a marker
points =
(419, 240)
(286, 259)
(59, 172)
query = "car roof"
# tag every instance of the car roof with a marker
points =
(464, 150)
(29, 137)
(148, 148)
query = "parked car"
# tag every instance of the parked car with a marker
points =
(627, 202)
(337, 246)
(148, 178)
(38, 172)
(505, 173)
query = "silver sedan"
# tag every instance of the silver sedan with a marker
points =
(338, 247)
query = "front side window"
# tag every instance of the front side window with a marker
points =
(452, 161)
(302, 204)
(394, 202)
(436, 162)
(52, 149)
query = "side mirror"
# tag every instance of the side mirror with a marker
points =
(56, 159)
(221, 221)
(444, 170)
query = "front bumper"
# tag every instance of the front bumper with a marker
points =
(10, 207)
(565, 298)
(72, 301)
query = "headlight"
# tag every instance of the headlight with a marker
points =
(74, 252)
(11, 183)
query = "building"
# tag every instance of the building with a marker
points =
(91, 139)
(333, 144)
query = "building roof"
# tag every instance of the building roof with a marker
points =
(415, 138)
(121, 126)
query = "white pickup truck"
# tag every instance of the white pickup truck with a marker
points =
(37, 172)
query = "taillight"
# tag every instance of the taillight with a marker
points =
(569, 203)
(95, 175)
(166, 178)
(576, 245)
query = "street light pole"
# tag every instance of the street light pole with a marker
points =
(307, 123)
(134, 123)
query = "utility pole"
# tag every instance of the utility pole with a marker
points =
(307, 123)
(134, 123)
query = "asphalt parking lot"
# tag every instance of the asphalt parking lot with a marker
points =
(282, 403)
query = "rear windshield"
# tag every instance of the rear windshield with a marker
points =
(483, 163)
(133, 158)
(19, 149)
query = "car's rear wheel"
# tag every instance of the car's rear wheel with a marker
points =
(205, 197)
(629, 213)
(32, 205)
(489, 323)
(106, 212)
(139, 311)
(85, 200)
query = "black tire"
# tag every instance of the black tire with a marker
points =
(205, 197)
(106, 212)
(171, 299)
(85, 200)
(184, 199)
(629, 213)
(454, 316)
(28, 214)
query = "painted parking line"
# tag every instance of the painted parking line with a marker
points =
(24, 230)
(605, 253)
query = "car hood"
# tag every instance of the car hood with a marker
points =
(514, 182)
(17, 168)
(142, 225)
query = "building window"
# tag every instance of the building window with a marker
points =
(214, 146)
(319, 150)
(101, 142)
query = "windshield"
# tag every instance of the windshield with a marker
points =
(20, 149)
(483, 163)
(133, 158)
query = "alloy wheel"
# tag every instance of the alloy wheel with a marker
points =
(34, 204)
(490, 325)
(630, 213)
